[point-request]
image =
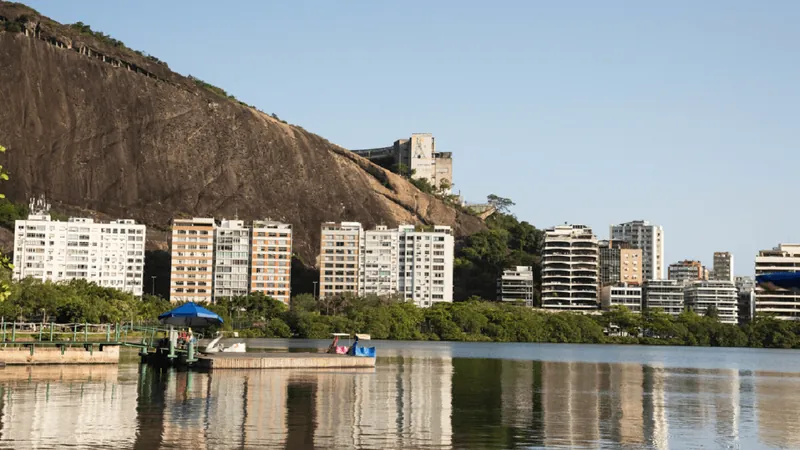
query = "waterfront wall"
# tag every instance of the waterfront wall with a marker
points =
(54, 355)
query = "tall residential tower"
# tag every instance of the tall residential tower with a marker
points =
(647, 237)
(570, 269)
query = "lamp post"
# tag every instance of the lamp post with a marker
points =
(153, 277)
(315, 290)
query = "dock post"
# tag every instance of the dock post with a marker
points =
(3, 320)
(51, 331)
(74, 332)
(41, 328)
(85, 332)
(171, 349)
(108, 332)
(144, 348)
(14, 331)
(116, 332)
(190, 353)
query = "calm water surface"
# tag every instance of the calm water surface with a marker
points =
(421, 395)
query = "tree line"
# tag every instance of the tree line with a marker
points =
(256, 315)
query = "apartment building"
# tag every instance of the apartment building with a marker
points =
(666, 295)
(231, 259)
(516, 285)
(629, 296)
(413, 263)
(271, 259)
(723, 266)
(426, 264)
(192, 266)
(380, 262)
(701, 295)
(619, 263)
(570, 269)
(647, 237)
(339, 259)
(745, 290)
(107, 254)
(783, 304)
(687, 271)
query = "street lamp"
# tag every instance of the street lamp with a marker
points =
(153, 277)
(315, 290)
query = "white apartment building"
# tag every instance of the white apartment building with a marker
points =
(666, 295)
(340, 251)
(687, 271)
(426, 265)
(192, 254)
(783, 304)
(723, 266)
(379, 269)
(107, 254)
(699, 296)
(647, 237)
(417, 265)
(516, 285)
(622, 295)
(570, 269)
(271, 259)
(231, 259)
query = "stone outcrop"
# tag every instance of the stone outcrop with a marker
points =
(101, 129)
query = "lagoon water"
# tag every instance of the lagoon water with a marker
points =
(421, 395)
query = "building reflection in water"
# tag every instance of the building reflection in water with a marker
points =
(778, 409)
(59, 406)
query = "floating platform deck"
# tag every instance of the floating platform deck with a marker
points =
(282, 361)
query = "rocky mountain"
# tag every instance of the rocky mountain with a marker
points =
(97, 127)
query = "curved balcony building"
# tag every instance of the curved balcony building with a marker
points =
(570, 269)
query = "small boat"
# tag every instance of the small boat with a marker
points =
(351, 350)
(215, 347)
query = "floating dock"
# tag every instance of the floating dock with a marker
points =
(282, 361)
(107, 353)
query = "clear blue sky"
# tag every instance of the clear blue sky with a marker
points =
(684, 113)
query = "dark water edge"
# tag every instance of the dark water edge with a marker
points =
(421, 395)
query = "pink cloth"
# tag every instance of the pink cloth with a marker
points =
(341, 350)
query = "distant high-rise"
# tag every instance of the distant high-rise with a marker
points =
(629, 296)
(231, 259)
(700, 296)
(686, 271)
(784, 304)
(192, 251)
(619, 263)
(723, 266)
(271, 259)
(340, 251)
(745, 289)
(516, 285)
(650, 239)
(666, 295)
(570, 269)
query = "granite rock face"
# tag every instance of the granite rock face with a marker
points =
(101, 129)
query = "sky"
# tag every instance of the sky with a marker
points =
(682, 113)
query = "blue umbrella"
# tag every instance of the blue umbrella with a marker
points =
(190, 315)
(779, 280)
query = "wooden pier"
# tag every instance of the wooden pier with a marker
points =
(214, 361)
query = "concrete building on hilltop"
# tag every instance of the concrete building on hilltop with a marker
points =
(687, 271)
(419, 157)
(108, 254)
(647, 237)
(231, 259)
(271, 259)
(783, 304)
(629, 296)
(701, 295)
(570, 269)
(192, 260)
(666, 295)
(619, 263)
(413, 263)
(516, 285)
(723, 266)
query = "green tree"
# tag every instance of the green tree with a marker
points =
(501, 204)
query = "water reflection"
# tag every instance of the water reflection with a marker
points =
(408, 401)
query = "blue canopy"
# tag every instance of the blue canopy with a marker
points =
(190, 315)
(779, 280)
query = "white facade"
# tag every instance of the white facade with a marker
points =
(570, 269)
(426, 265)
(340, 249)
(666, 295)
(271, 259)
(231, 259)
(650, 238)
(701, 295)
(622, 295)
(516, 285)
(783, 304)
(417, 265)
(108, 254)
(723, 266)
